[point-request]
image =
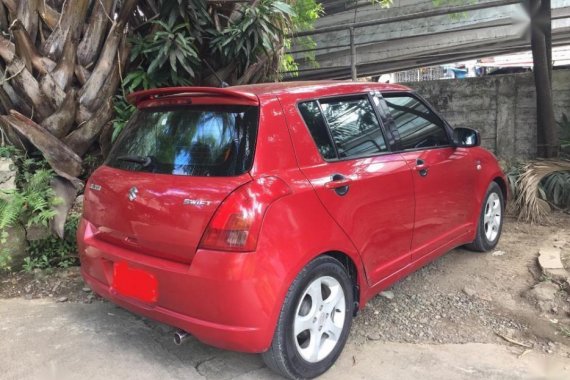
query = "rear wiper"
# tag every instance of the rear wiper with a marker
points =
(143, 160)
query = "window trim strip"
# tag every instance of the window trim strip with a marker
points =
(329, 133)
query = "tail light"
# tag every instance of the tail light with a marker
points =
(236, 223)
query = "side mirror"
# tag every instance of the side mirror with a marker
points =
(466, 137)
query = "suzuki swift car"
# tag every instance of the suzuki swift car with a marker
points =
(261, 218)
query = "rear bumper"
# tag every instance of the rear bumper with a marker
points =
(220, 298)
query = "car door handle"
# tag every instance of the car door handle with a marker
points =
(421, 167)
(339, 183)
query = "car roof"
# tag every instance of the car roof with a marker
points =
(250, 94)
(300, 87)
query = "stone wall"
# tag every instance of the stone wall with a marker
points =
(501, 107)
(7, 174)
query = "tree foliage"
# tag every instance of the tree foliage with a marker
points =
(306, 12)
(191, 42)
(63, 62)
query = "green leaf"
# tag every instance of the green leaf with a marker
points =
(284, 8)
(172, 58)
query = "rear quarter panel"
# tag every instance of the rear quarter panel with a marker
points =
(297, 228)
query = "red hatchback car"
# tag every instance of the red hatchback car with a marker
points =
(261, 218)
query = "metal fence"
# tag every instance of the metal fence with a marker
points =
(418, 75)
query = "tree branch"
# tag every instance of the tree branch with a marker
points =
(90, 91)
(94, 35)
(62, 159)
(11, 5)
(61, 122)
(69, 26)
(49, 15)
(63, 72)
(27, 51)
(28, 89)
(27, 12)
(82, 138)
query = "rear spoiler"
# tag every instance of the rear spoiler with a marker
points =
(172, 93)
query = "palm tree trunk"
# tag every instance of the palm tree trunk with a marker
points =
(59, 70)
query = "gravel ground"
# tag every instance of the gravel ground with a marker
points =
(434, 317)
(468, 297)
(463, 297)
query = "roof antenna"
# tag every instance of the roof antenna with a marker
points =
(222, 83)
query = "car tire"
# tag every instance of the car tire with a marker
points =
(490, 223)
(314, 321)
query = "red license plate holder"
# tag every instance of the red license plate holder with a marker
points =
(134, 283)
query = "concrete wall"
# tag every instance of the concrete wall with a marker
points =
(502, 108)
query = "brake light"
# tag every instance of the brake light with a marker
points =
(236, 223)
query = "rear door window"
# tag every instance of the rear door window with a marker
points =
(352, 126)
(191, 140)
(416, 125)
(316, 123)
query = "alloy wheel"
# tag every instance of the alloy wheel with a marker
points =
(492, 217)
(319, 319)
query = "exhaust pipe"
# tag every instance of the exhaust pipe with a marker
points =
(180, 337)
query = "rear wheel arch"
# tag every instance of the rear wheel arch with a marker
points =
(353, 269)
(353, 272)
(501, 182)
(327, 240)
(285, 355)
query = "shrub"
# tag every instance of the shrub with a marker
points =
(32, 204)
(54, 252)
(537, 186)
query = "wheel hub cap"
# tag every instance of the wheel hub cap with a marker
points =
(319, 319)
(322, 319)
(492, 217)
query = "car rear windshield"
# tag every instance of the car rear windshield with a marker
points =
(208, 141)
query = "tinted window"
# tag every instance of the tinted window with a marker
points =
(194, 141)
(417, 126)
(316, 124)
(353, 126)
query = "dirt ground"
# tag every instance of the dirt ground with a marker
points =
(493, 312)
